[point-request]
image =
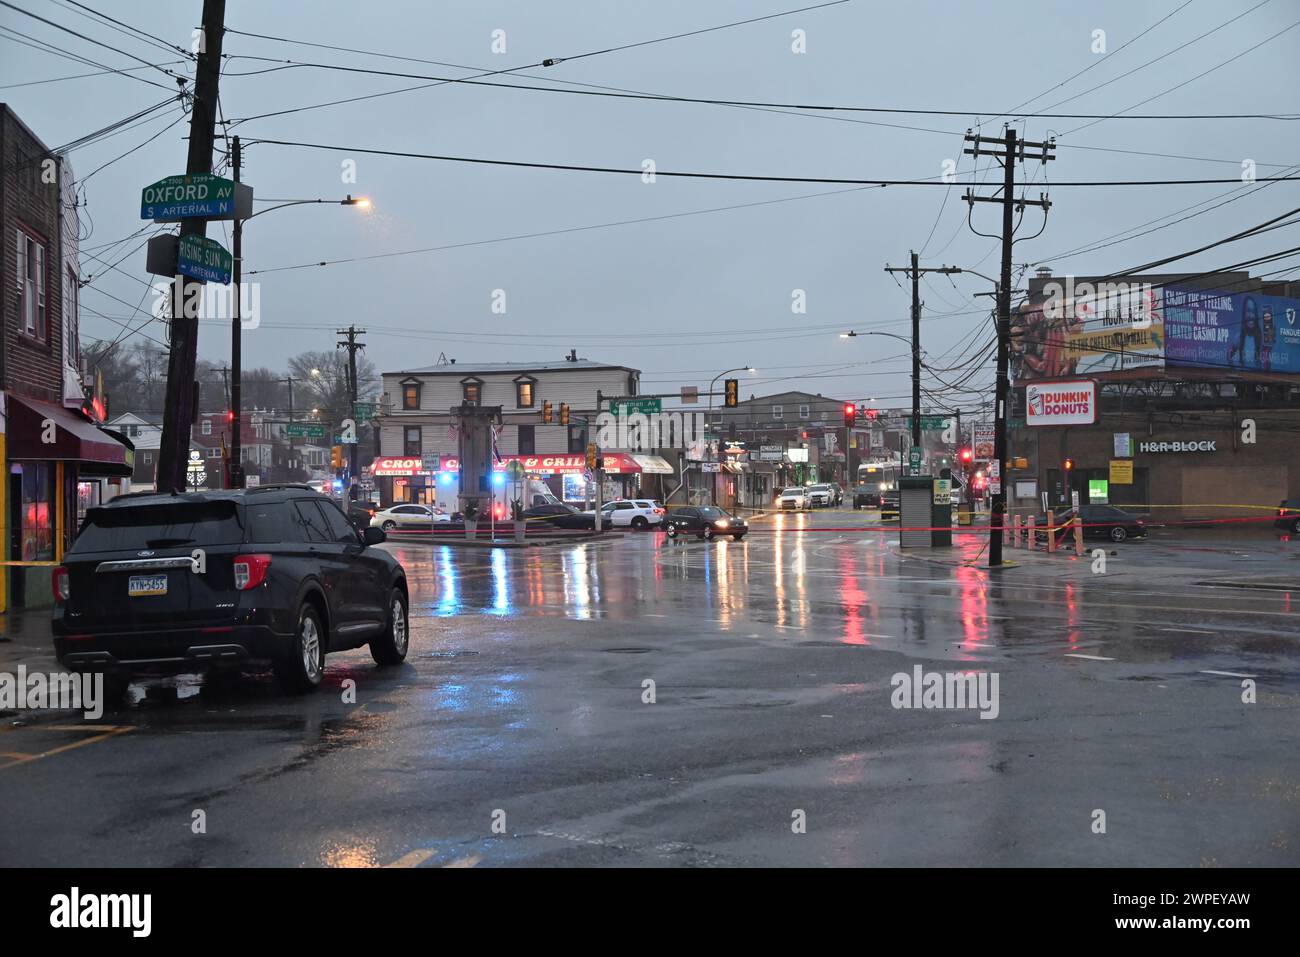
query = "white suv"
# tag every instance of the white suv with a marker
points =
(636, 513)
(795, 497)
(820, 495)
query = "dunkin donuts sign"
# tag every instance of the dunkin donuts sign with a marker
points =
(1061, 403)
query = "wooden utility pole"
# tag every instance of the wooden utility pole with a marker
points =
(178, 410)
(352, 345)
(915, 271)
(1012, 151)
(236, 333)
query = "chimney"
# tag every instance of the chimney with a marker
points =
(1043, 272)
(572, 356)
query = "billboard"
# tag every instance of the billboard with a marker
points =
(1231, 331)
(1091, 329)
(1061, 403)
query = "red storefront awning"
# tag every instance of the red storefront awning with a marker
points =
(616, 463)
(37, 430)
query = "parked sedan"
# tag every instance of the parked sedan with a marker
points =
(1288, 515)
(1100, 521)
(559, 515)
(403, 517)
(704, 521)
(213, 580)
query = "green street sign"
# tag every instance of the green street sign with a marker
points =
(300, 430)
(195, 196)
(930, 423)
(363, 410)
(630, 406)
(201, 258)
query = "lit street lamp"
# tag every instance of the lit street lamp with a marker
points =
(236, 339)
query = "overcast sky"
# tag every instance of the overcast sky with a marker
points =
(642, 294)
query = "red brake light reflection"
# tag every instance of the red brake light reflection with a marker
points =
(61, 584)
(250, 570)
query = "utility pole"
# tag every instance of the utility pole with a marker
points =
(1012, 152)
(236, 333)
(915, 271)
(351, 344)
(288, 432)
(178, 411)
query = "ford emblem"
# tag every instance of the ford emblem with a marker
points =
(145, 554)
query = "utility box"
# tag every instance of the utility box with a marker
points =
(915, 511)
(941, 509)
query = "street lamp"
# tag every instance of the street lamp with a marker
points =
(236, 336)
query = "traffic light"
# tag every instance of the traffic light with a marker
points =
(872, 414)
(230, 416)
(548, 416)
(336, 457)
(965, 455)
(1068, 464)
(564, 413)
(850, 414)
(731, 393)
(592, 459)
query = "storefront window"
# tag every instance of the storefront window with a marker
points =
(38, 512)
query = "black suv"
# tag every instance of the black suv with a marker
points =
(209, 580)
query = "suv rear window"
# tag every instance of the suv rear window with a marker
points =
(168, 525)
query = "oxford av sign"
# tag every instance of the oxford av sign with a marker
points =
(195, 196)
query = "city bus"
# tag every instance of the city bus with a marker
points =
(875, 479)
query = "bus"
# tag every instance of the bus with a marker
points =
(875, 479)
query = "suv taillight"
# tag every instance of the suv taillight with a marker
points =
(61, 584)
(250, 570)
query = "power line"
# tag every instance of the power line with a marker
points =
(714, 101)
(53, 50)
(739, 177)
(107, 46)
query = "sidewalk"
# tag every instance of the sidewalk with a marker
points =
(25, 640)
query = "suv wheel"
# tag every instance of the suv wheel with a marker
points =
(1118, 533)
(639, 523)
(707, 534)
(302, 669)
(390, 647)
(671, 529)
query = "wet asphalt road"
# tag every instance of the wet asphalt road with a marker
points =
(517, 733)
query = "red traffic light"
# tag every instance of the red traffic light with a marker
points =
(850, 413)
(966, 455)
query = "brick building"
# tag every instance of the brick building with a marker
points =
(50, 447)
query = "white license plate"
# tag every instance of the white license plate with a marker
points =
(142, 585)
